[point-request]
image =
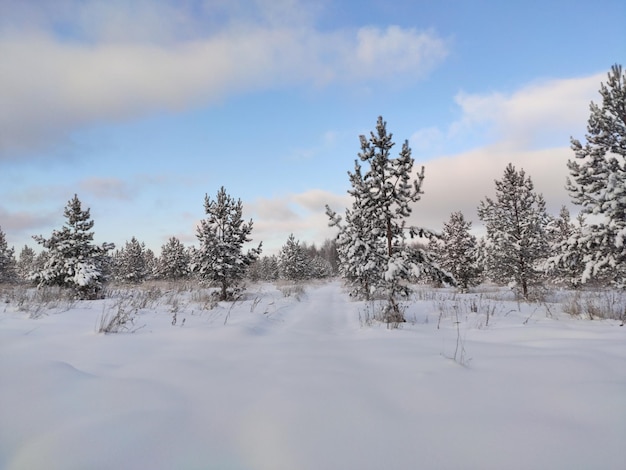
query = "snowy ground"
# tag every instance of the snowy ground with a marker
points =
(298, 382)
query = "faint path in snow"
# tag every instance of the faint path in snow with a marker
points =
(323, 310)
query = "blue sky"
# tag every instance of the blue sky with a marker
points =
(143, 107)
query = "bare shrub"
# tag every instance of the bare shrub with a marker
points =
(208, 299)
(382, 312)
(38, 301)
(452, 309)
(601, 304)
(120, 321)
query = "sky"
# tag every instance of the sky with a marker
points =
(142, 108)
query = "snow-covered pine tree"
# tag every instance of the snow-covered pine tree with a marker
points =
(174, 261)
(320, 267)
(264, 269)
(359, 252)
(71, 259)
(130, 262)
(565, 265)
(8, 263)
(481, 259)
(151, 263)
(456, 251)
(26, 263)
(220, 257)
(598, 183)
(293, 262)
(372, 237)
(516, 231)
(269, 269)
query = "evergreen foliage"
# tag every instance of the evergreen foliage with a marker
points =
(320, 267)
(371, 243)
(174, 261)
(71, 259)
(294, 264)
(265, 269)
(26, 263)
(565, 265)
(516, 231)
(222, 234)
(130, 262)
(8, 263)
(598, 184)
(151, 263)
(456, 251)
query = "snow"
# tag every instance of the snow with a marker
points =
(286, 379)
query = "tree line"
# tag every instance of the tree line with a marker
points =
(71, 260)
(375, 251)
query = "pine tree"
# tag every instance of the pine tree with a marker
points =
(358, 251)
(516, 230)
(598, 183)
(26, 263)
(8, 263)
(151, 263)
(222, 235)
(565, 265)
(130, 262)
(269, 269)
(320, 267)
(174, 260)
(293, 262)
(372, 238)
(456, 251)
(71, 259)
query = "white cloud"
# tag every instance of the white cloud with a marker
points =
(396, 50)
(303, 214)
(529, 128)
(538, 113)
(460, 182)
(52, 84)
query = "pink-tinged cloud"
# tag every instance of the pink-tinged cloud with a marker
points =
(107, 188)
(17, 225)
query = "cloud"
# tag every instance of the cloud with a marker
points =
(460, 182)
(303, 214)
(102, 66)
(109, 188)
(395, 50)
(516, 125)
(536, 114)
(23, 224)
(529, 127)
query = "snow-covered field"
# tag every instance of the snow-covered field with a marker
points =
(300, 382)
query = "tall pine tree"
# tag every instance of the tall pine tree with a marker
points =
(71, 259)
(598, 183)
(516, 231)
(372, 238)
(220, 257)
